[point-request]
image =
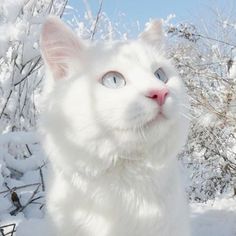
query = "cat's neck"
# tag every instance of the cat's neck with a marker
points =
(151, 163)
(125, 170)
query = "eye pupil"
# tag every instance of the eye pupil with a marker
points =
(113, 79)
(160, 74)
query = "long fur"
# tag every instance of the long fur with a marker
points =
(114, 167)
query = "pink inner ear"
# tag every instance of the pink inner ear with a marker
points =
(59, 47)
(60, 72)
(153, 33)
(58, 59)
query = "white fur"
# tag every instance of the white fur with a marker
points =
(114, 170)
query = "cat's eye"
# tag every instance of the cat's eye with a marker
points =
(160, 74)
(113, 80)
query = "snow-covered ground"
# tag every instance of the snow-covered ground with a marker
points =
(214, 218)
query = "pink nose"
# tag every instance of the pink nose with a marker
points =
(158, 95)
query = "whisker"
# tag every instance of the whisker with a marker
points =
(187, 117)
(141, 133)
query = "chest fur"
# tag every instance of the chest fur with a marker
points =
(119, 202)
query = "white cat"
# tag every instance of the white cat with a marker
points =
(113, 123)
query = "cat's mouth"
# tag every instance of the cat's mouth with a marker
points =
(148, 124)
(157, 119)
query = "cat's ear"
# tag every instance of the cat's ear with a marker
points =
(59, 46)
(153, 33)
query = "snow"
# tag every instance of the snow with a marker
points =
(22, 173)
(214, 218)
(19, 137)
(28, 164)
(34, 227)
(11, 8)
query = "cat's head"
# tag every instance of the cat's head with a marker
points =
(112, 100)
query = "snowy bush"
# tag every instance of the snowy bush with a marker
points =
(206, 62)
(22, 162)
(20, 60)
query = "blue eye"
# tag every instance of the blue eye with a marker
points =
(113, 80)
(160, 74)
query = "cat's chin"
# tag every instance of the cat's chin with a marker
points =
(144, 124)
(157, 120)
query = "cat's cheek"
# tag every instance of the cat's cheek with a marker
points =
(117, 109)
(170, 109)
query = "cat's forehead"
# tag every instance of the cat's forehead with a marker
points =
(124, 53)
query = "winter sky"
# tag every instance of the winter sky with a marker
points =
(143, 10)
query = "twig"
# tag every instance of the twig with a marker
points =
(31, 199)
(29, 72)
(15, 173)
(34, 199)
(28, 149)
(187, 34)
(6, 226)
(5, 105)
(63, 9)
(42, 179)
(20, 187)
(7, 186)
(97, 19)
(13, 229)
(40, 208)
